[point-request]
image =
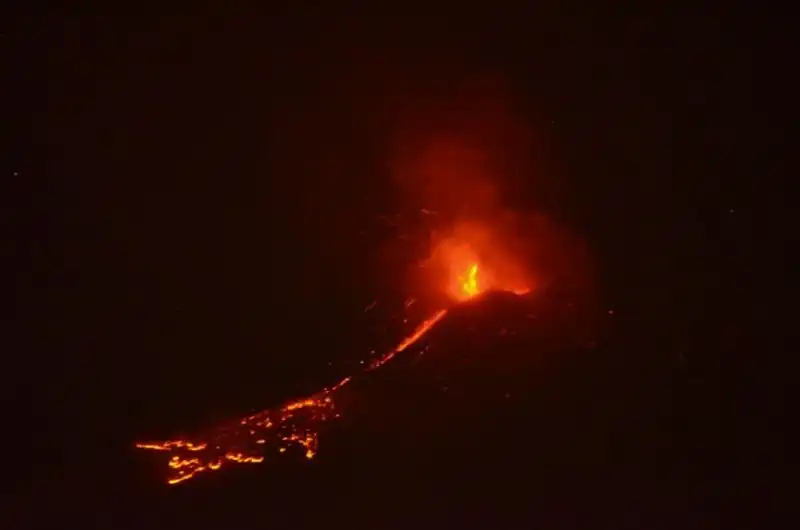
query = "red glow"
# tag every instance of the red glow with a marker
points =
(473, 260)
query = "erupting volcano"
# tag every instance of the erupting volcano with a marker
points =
(449, 169)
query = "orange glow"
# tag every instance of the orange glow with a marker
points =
(181, 478)
(456, 263)
(243, 459)
(170, 445)
(470, 284)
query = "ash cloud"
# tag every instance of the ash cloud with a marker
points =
(468, 154)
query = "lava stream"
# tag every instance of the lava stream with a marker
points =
(421, 330)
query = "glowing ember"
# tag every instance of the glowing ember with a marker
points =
(295, 424)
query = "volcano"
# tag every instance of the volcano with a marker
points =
(538, 408)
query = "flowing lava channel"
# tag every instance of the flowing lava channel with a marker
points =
(295, 424)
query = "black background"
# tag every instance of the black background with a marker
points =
(187, 199)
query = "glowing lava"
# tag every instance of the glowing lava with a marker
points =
(295, 424)
(246, 440)
(470, 283)
(421, 330)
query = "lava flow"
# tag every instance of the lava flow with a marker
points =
(294, 425)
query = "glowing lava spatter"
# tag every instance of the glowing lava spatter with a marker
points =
(295, 424)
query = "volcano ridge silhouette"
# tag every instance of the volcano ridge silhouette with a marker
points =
(498, 375)
(505, 390)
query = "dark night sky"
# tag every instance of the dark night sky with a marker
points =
(188, 196)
